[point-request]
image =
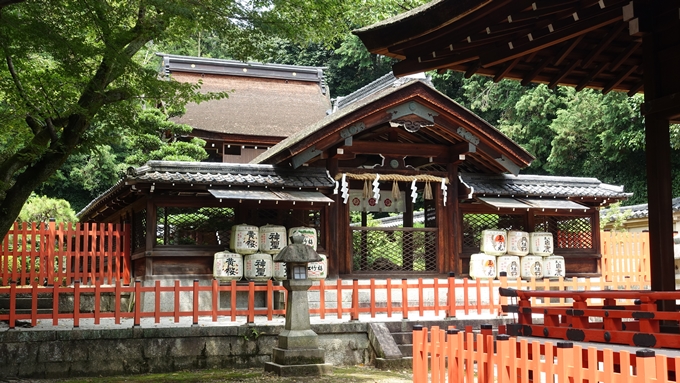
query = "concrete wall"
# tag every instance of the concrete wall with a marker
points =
(87, 352)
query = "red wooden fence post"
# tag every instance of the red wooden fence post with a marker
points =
(76, 304)
(138, 303)
(195, 304)
(451, 296)
(354, 314)
(12, 303)
(404, 298)
(419, 339)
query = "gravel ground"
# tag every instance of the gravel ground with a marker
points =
(356, 374)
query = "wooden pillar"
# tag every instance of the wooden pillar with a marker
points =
(331, 224)
(443, 224)
(661, 79)
(151, 231)
(455, 221)
(407, 241)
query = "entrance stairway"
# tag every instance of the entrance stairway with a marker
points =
(392, 342)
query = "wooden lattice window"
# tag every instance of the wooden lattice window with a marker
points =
(194, 226)
(384, 249)
(475, 223)
(569, 232)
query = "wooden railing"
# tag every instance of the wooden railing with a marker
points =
(625, 257)
(617, 317)
(61, 254)
(457, 357)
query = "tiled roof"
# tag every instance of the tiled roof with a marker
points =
(375, 86)
(215, 174)
(229, 174)
(642, 210)
(540, 186)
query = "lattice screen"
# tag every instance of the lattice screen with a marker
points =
(568, 232)
(139, 230)
(394, 249)
(194, 226)
(474, 224)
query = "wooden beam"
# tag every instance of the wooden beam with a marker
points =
(622, 76)
(502, 73)
(665, 107)
(567, 50)
(564, 74)
(538, 69)
(625, 55)
(395, 149)
(611, 35)
(577, 28)
(593, 74)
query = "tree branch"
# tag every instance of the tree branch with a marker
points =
(115, 95)
(17, 84)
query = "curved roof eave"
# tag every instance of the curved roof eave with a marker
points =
(360, 109)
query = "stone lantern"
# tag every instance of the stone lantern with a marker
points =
(297, 352)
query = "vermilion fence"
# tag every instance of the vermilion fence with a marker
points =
(458, 357)
(49, 253)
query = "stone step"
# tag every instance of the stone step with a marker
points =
(406, 349)
(403, 337)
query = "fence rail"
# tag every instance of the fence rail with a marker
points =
(63, 253)
(458, 357)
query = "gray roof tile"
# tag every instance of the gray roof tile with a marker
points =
(541, 186)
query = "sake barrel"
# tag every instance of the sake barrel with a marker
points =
(308, 233)
(518, 243)
(494, 242)
(227, 266)
(245, 239)
(279, 271)
(553, 266)
(258, 267)
(531, 267)
(541, 243)
(317, 271)
(510, 264)
(272, 239)
(482, 266)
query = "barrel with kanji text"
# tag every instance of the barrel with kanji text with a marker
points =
(245, 239)
(272, 239)
(258, 267)
(227, 266)
(482, 266)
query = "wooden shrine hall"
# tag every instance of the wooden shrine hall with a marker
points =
(612, 45)
(395, 146)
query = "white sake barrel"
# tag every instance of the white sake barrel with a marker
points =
(531, 267)
(518, 243)
(245, 239)
(258, 267)
(309, 234)
(541, 243)
(494, 242)
(272, 239)
(553, 266)
(317, 271)
(228, 266)
(482, 266)
(510, 264)
(279, 272)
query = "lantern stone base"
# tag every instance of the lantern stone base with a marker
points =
(298, 362)
(298, 370)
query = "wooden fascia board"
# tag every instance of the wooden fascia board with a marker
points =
(397, 149)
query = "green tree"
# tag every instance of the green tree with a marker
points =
(73, 68)
(42, 209)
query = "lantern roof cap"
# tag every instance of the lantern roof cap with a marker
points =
(297, 252)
